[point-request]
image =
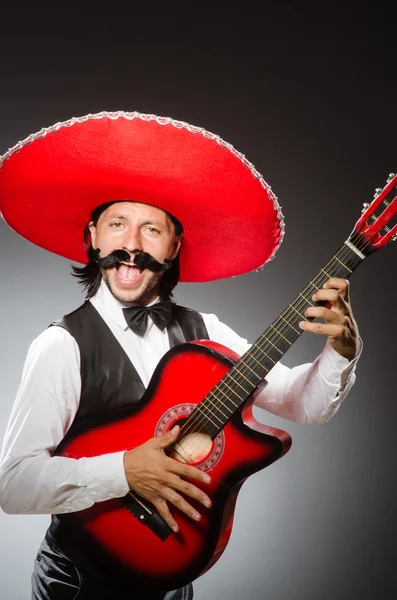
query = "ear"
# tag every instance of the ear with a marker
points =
(177, 246)
(92, 229)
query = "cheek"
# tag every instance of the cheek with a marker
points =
(166, 253)
(108, 242)
(155, 247)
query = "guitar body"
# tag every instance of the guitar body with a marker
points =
(184, 376)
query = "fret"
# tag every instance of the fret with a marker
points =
(327, 274)
(343, 265)
(306, 299)
(289, 324)
(232, 390)
(247, 367)
(257, 361)
(217, 407)
(242, 374)
(279, 333)
(274, 346)
(195, 423)
(238, 383)
(198, 418)
(271, 345)
(206, 403)
(314, 285)
(348, 257)
(199, 408)
(298, 313)
(269, 357)
(218, 389)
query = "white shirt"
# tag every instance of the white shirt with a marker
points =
(33, 481)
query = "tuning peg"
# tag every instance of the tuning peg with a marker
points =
(377, 192)
(391, 175)
(365, 205)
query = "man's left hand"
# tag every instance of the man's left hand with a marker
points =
(340, 326)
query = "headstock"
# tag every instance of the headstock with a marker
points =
(378, 223)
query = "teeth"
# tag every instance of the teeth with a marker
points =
(130, 264)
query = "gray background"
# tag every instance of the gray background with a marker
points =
(311, 102)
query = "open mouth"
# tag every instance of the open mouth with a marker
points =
(128, 273)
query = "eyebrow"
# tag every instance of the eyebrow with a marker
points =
(116, 217)
(153, 221)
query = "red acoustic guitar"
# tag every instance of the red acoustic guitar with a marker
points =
(207, 389)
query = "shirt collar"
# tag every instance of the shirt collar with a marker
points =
(106, 303)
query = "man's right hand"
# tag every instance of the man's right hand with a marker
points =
(158, 478)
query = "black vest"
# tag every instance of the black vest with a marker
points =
(109, 381)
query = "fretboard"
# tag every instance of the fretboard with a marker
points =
(228, 396)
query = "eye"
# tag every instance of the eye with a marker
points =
(115, 224)
(152, 230)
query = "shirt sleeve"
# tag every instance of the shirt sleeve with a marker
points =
(310, 393)
(32, 481)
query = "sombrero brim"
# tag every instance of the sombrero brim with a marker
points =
(51, 182)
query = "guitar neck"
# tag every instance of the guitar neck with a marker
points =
(375, 228)
(245, 376)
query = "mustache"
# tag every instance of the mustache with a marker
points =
(142, 260)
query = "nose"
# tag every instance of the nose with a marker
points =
(132, 240)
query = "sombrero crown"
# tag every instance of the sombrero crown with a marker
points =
(51, 182)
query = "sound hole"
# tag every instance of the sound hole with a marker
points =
(195, 445)
(192, 446)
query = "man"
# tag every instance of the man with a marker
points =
(155, 196)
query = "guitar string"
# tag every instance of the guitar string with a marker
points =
(355, 239)
(205, 408)
(360, 237)
(277, 337)
(346, 253)
(207, 402)
(278, 334)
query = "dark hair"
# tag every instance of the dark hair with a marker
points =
(90, 275)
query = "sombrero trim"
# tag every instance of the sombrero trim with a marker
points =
(161, 121)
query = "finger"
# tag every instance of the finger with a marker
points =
(169, 438)
(332, 296)
(189, 490)
(180, 503)
(342, 285)
(332, 299)
(184, 470)
(328, 329)
(330, 316)
(164, 512)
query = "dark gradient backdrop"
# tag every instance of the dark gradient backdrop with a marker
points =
(310, 99)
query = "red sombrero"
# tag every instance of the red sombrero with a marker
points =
(51, 182)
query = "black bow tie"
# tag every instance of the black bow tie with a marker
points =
(137, 316)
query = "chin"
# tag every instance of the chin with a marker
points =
(145, 292)
(125, 295)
